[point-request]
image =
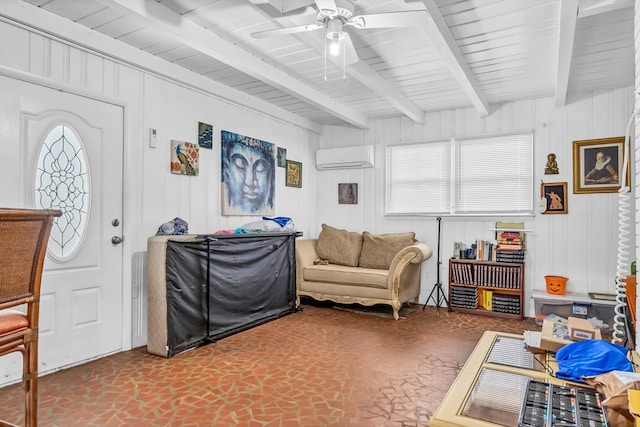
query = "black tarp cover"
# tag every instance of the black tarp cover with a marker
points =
(247, 280)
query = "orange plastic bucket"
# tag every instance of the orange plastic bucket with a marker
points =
(556, 285)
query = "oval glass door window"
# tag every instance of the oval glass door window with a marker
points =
(62, 182)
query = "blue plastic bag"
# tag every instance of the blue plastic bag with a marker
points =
(590, 358)
(281, 220)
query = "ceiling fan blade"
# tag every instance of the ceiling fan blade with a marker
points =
(409, 18)
(351, 56)
(286, 30)
(326, 5)
(274, 12)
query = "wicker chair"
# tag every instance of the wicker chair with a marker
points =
(23, 241)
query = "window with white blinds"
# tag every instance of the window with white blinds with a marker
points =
(470, 176)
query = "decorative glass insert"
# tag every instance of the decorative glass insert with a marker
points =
(62, 182)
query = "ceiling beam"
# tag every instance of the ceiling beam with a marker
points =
(381, 87)
(596, 7)
(445, 44)
(568, 18)
(224, 51)
(365, 75)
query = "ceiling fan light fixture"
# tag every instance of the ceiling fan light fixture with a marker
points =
(333, 43)
(335, 34)
(334, 46)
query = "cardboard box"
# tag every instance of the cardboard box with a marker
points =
(556, 335)
(634, 405)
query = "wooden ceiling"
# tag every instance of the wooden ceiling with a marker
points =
(450, 54)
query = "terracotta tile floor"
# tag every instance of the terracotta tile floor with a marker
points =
(317, 367)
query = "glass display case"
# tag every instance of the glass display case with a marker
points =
(491, 387)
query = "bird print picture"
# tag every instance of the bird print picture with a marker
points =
(185, 158)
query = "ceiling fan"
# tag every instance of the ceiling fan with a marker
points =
(335, 15)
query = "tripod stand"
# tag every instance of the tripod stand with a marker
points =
(439, 293)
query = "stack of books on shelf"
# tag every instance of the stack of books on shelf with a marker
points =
(505, 303)
(510, 243)
(464, 297)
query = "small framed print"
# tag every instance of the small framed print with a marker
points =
(294, 174)
(348, 194)
(555, 194)
(282, 157)
(185, 158)
(205, 135)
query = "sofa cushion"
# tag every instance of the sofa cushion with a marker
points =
(345, 275)
(379, 250)
(340, 247)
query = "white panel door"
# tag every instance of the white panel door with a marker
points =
(81, 304)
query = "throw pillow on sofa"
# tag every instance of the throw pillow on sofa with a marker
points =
(379, 250)
(339, 246)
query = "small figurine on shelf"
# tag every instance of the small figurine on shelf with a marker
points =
(552, 165)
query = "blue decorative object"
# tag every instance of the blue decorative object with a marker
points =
(590, 358)
(281, 220)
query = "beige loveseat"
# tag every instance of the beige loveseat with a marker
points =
(348, 267)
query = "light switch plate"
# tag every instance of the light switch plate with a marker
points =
(152, 138)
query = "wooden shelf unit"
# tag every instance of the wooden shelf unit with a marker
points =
(486, 287)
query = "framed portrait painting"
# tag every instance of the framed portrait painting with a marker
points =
(597, 165)
(555, 194)
(294, 174)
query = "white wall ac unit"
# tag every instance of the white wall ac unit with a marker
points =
(345, 157)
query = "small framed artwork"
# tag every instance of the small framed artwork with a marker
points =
(205, 135)
(556, 195)
(597, 164)
(185, 157)
(294, 174)
(348, 194)
(282, 157)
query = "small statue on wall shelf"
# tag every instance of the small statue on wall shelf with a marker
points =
(552, 165)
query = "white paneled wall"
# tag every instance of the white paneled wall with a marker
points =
(580, 245)
(152, 194)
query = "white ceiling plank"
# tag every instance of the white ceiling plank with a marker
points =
(215, 46)
(59, 27)
(568, 19)
(444, 42)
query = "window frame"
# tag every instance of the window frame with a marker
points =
(454, 146)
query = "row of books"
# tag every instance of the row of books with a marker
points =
(461, 273)
(516, 257)
(506, 304)
(465, 297)
(508, 246)
(499, 276)
(492, 301)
